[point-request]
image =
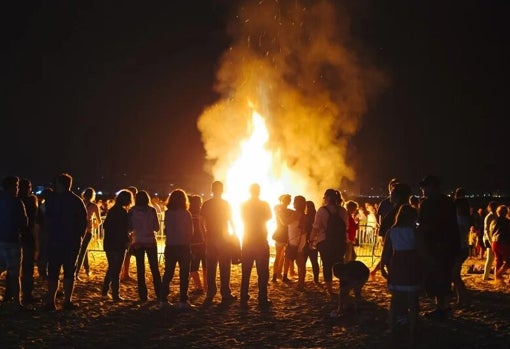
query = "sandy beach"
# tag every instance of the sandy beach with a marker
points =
(296, 319)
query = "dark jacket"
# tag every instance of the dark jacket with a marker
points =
(66, 218)
(13, 218)
(116, 229)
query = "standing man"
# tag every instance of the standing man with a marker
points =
(217, 216)
(29, 240)
(13, 220)
(66, 218)
(439, 233)
(255, 214)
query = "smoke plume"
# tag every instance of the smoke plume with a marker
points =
(292, 64)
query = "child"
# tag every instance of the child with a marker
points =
(400, 265)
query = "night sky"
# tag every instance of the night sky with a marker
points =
(111, 91)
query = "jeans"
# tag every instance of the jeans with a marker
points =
(152, 256)
(215, 257)
(112, 277)
(176, 254)
(259, 255)
(27, 270)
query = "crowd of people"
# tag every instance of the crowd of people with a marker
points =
(425, 241)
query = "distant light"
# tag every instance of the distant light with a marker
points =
(99, 192)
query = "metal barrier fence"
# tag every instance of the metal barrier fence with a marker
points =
(368, 244)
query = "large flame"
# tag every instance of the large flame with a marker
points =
(292, 94)
(256, 163)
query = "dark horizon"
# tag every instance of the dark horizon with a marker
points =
(111, 93)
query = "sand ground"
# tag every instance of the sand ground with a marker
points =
(296, 319)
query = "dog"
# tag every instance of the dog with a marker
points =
(352, 275)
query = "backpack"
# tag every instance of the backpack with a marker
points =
(336, 232)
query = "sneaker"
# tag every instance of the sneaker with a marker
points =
(71, 306)
(198, 292)
(118, 299)
(274, 279)
(286, 280)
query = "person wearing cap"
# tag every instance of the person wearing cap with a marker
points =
(440, 243)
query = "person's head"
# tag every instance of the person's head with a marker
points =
(391, 184)
(195, 203)
(284, 200)
(255, 190)
(217, 188)
(299, 203)
(492, 206)
(502, 211)
(178, 200)
(10, 184)
(63, 182)
(351, 206)
(132, 189)
(406, 216)
(429, 185)
(88, 194)
(400, 194)
(142, 198)
(124, 198)
(310, 208)
(332, 197)
(25, 187)
(460, 193)
(414, 201)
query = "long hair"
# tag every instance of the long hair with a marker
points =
(142, 199)
(178, 200)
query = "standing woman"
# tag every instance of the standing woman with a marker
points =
(310, 252)
(331, 244)
(197, 246)
(93, 222)
(178, 232)
(116, 241)
(144, 224)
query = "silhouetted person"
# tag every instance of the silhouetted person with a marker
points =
(93, 222)
(124, 275)
(178, 235)
(144, 224)
(66, 218)
(116, 241)
(439, 232)
(42, 236)
(29, 241)
(13, 220)
(255, 248)
(217, 215)
(329, 234)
